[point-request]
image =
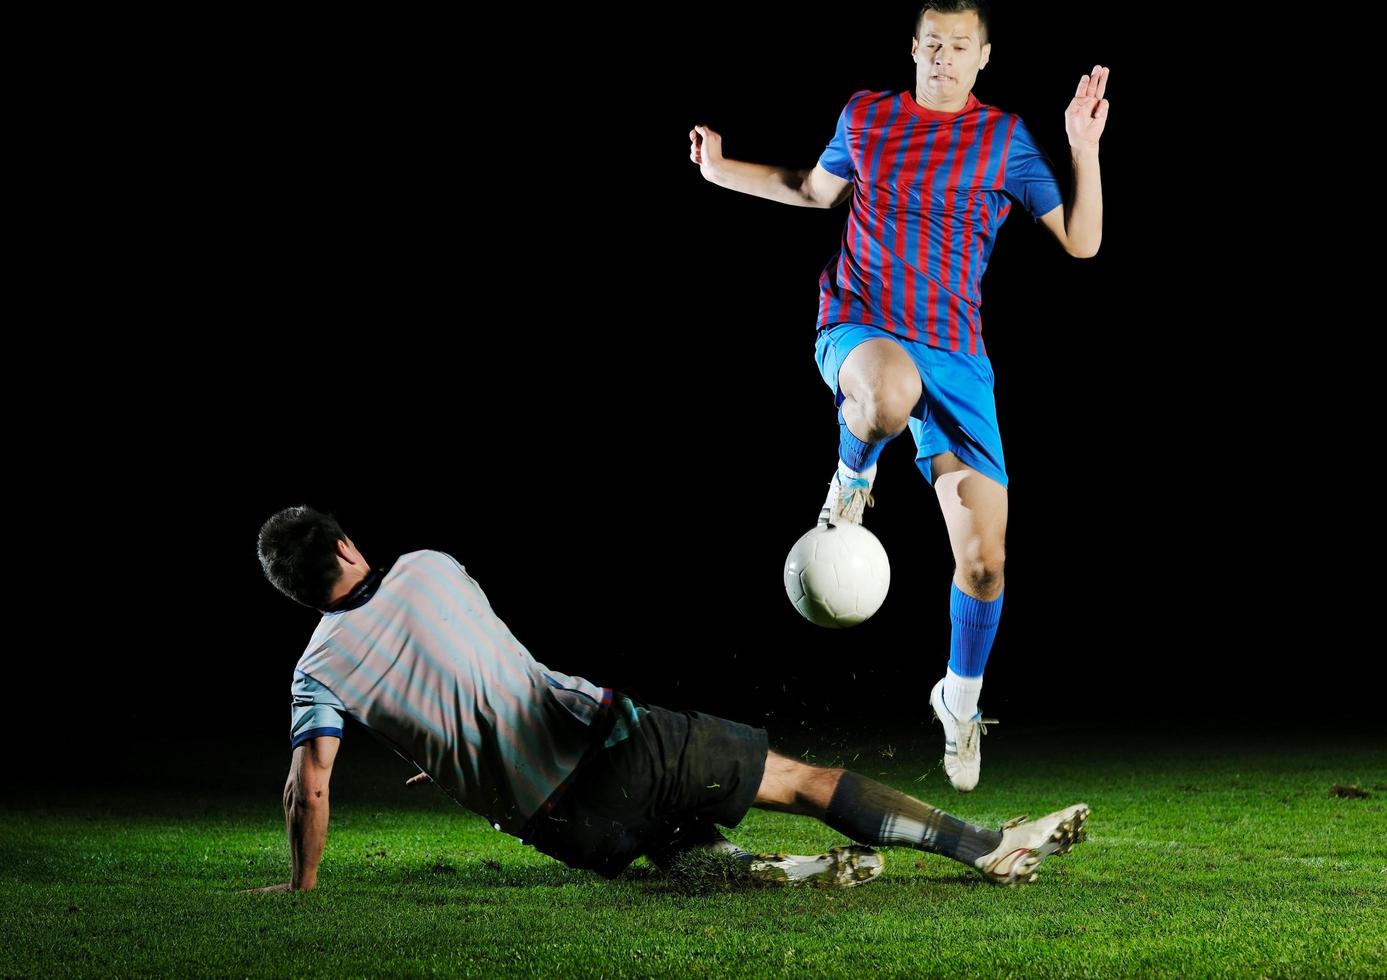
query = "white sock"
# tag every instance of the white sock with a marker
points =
(869, 474)
(961, 694)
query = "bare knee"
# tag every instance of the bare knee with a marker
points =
(884, 411)
(883, 385)
(975, 510)
(982, 567)
(796, 787)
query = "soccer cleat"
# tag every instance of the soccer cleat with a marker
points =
(962, 741)
(1025, 844)
(839, 867)
(847, 496)
(706, 838)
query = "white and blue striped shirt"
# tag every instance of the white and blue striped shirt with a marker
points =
(416, 654)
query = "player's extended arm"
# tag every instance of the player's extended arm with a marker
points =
(306, 810)
(812, 188)
(306, 807)
(1081, 232)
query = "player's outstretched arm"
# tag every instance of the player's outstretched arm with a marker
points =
(812, 188)
(306, 811)
(1084, 120)
(306, 807)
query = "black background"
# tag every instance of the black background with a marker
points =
(463, 288)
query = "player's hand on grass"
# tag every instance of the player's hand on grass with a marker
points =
(705, 149)
(1084, 119)
(423, 777)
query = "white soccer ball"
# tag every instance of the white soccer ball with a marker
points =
(837, 575)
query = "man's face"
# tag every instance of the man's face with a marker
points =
(948, 54)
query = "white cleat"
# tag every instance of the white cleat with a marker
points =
(847, 496)
(1025, 844)
(962, 741)
(839, 867)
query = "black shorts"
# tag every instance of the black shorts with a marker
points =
(677, 774)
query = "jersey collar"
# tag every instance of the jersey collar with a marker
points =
(366, 588)
(908, 100)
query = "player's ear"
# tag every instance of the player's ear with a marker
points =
(986, 53)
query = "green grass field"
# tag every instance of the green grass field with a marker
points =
(1210, 859)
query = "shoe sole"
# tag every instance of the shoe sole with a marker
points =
(825, 520)
(1072, 830)
(852, 865)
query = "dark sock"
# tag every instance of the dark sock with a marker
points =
(872, 813)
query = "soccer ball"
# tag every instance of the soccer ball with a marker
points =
(837, 575)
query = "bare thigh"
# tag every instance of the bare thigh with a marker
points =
(975, 511)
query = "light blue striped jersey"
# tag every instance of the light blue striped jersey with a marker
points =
(416, 654)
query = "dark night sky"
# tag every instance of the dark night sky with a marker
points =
(502, 315)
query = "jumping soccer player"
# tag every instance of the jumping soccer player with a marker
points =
(932, 175)
(413, 651)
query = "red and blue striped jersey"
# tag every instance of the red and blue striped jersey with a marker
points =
(930, 191)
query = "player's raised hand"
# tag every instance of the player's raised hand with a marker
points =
(423, 777)
(705, 149)
(1084, 119)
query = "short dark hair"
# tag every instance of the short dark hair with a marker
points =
(958, 7)
(298, 553)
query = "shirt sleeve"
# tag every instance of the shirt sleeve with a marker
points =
(837, 156)
(316, 711)
(1030, 176)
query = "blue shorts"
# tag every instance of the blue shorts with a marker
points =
(956, 411)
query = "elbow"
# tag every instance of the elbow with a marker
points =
(1092, 248)
(803, 183)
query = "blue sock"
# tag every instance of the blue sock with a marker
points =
(856, 454)
(975, 625)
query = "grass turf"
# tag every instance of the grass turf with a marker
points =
(1223, 858)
